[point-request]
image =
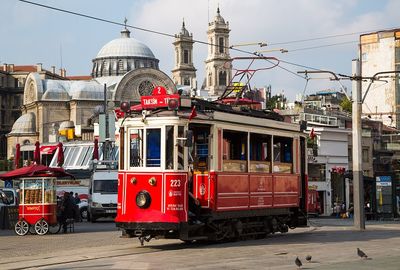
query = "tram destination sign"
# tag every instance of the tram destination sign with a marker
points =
(157, 101)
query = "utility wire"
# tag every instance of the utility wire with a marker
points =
(322, 46)
(198, 41)
(329, 36)
(124, 25)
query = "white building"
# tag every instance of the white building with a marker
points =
(380, 53)
(326, 168)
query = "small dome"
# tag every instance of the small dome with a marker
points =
(24, 124)
(125, 46)
(66, 125)
(184, 31)
(218, 18)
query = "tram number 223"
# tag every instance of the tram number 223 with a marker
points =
(175, 183)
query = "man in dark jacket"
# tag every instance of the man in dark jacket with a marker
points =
(67, 210)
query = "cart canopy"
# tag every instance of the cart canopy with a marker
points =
(35, 170)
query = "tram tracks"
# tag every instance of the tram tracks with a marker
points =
(52, 261)
(83, 255)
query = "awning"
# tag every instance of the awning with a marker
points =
(47, 149)
(34, 170)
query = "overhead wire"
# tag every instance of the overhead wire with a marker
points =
(329, 36)
(203, 42)
(322, 46)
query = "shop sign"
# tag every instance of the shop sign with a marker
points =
(383, 181)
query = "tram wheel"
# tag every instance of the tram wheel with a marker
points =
(41, 227)
(21, 227)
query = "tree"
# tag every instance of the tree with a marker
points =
(275, 102)
(346, 105)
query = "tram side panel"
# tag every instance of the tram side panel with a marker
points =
(244, 191)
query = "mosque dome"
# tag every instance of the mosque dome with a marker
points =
(125, 46)
(122, 55)
(25, 124)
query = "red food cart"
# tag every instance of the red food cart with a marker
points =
(38, 205)
(38, 200)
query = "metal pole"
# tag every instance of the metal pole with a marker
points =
(358, 181)
(107, 135)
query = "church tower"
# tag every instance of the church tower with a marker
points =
(218, 63)
(184, 72)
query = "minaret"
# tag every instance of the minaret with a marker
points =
(218, 63)
(184, 72)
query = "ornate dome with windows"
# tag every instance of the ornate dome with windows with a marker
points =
(122, 55)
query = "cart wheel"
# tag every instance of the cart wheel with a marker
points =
(53, 229)
(21, 227)
(41, 227)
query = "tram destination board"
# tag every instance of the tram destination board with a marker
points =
(151, 102)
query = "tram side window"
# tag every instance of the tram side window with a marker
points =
(153, 149)
(169, 147)
(199, 152)
(136, 148)
(283, 154)
(234, 151)
(260, 153)
(181, 149)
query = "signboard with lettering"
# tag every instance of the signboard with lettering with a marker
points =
(176, 195)
(151, 102)
(384, 181)
(159, 90)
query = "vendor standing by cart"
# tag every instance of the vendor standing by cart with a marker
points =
(67, 210)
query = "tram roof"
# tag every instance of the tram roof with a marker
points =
(220, 111)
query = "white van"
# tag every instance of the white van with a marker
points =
(103, 191)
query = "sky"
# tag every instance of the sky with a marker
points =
(32, 34)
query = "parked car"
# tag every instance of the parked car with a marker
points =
(83, 196)
(8, 196)
(83, 209)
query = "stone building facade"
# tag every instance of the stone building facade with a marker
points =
(12, 82)
(218, 62)
(124, 68)
(184, 72)
(380, 52)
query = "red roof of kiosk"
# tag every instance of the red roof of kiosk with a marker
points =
(35, 170)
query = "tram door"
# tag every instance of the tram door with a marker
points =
(199, 160)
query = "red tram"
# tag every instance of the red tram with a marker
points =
(197, 170)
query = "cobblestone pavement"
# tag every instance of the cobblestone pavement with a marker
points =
(331, 242)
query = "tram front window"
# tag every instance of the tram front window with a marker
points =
(145, 147)
(153, 147)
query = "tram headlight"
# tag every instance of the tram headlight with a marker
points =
(143, 199)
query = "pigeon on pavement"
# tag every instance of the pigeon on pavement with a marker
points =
(361, 254)
(298, 262)
(308, 258)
